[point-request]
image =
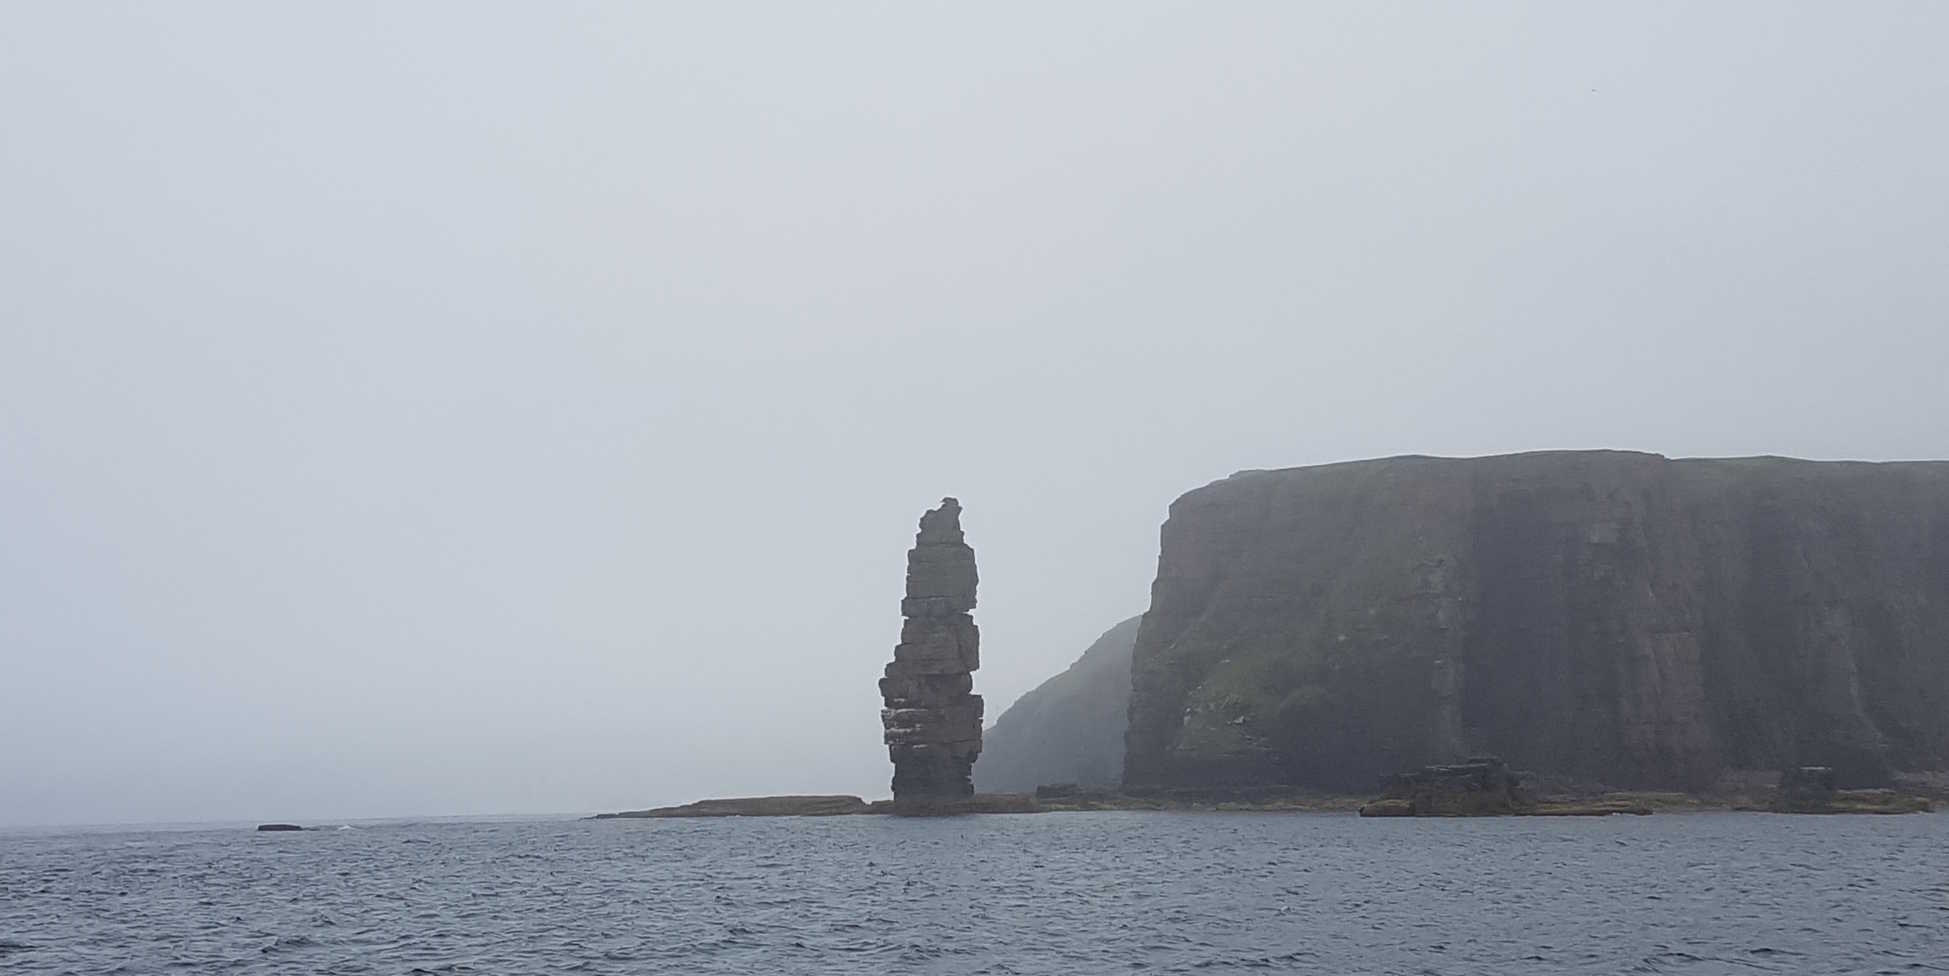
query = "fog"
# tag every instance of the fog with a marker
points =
(418, 409)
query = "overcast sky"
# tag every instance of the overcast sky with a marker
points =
(485, 408)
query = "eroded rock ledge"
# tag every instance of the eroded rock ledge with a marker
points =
(824, 806)
(1811, 789)
(752, 806)
(1480, 787)
(1483, 787)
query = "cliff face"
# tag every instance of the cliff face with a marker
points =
(1616, 617)
(1070, 728)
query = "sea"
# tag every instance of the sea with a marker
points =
(1068, 893)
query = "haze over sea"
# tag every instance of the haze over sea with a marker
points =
(1050, 894)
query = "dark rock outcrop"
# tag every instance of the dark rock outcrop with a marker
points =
(1480, 787)
(1610, 617)
(1805, 789)
(932, 718)
(1811, 789)
(1070, 728)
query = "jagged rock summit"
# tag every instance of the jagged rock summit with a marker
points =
(931, 715)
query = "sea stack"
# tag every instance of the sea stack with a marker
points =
(932, 717)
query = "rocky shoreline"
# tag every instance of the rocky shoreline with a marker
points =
(831, 805)
(1062, 799)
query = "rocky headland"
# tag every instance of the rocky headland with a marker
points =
(1598, 617)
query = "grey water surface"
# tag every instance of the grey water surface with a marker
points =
(1052, 894)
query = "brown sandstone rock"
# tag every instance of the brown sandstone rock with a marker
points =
(932, 718)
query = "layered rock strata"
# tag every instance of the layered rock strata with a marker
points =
(1599, 617)
(931, 715)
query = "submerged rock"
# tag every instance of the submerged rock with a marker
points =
(931, 716)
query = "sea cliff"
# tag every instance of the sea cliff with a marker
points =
(1606, 617)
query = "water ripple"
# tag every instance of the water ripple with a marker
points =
(1021, 896)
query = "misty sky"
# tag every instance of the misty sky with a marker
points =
(477, 408)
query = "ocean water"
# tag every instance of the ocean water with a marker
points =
(1049, 894)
